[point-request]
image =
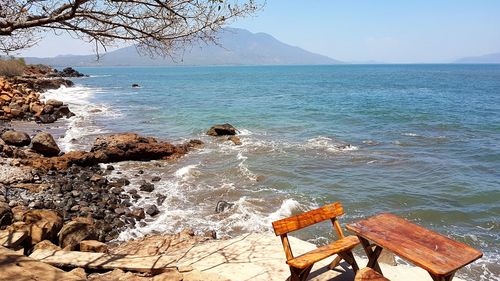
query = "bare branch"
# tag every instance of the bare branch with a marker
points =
(157, 27)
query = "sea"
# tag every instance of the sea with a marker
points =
(418, 141)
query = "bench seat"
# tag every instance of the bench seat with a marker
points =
(309, 258)
(368, 274)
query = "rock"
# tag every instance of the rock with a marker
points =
(43, 224)
(129, 146)
(135, 86)
(46, 245)
(70, 72)
(169, 275)
(45, 119)
(152, 210)
(222, 206)
(236, 140)
(93, 246)
(54, 103)
(147, 187)
(79, 272)
(137, 213)
(6, 215)
(155, 178)
(45, 144)
(222, 130)
(16, 138)
(74, 232)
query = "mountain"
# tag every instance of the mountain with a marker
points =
(490, 58)
(236, 47)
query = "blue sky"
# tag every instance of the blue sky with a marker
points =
(363, 30)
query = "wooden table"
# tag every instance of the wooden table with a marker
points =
(437, 254)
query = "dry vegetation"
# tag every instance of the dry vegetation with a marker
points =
(11, 67)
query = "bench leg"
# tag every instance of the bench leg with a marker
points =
(335, 262)
(299, 274)
(349, 258)
(371, 254)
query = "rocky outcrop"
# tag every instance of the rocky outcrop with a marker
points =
(42, 84)
(20, 101)
(45, 144)
(75, 232)
(16, 138)
(222, 130)
(42, 225)
(115, 148)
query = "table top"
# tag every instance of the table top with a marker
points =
(430, 250)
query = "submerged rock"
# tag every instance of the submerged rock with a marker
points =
(222, 130)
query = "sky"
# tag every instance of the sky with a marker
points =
(390, 31)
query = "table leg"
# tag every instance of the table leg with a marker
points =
(448, 277)
(371, 254)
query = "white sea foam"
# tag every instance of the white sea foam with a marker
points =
(186, 171)
(328, 144)
(81, 125)
(244, 132)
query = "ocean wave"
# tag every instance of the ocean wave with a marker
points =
(328, 144)
(83, 125)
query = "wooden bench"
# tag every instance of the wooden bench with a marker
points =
(368, 274)
(301, 266)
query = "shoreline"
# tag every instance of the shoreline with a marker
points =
(61, 134)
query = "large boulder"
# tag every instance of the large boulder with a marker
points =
(42, 225)
(45, 144)
(129, 146)
(222, 130)
(75, 232)
(16, 138)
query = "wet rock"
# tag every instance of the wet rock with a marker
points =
(74, 232)
(70, 72)
(147, 187)
(135, 85)
(152, 210)
(236, 140)
(155, 179)
(137, 213)
(222, 130)
(110, 167)
(54, 103)
(160, 198)
(45, 144)
(45, 119)
(16, 138)
(222, 206)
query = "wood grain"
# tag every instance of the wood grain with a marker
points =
(308, 218)
(439, 255)
(341, 245)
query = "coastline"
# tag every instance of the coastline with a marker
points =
(57, 130)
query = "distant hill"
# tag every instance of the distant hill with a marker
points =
(237, 47)
(490, 58)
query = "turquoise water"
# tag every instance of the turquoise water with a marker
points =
(420, 141)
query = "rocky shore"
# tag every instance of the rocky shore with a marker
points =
(20, 96)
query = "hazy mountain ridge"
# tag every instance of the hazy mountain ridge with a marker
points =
(237, 47)
(489, 58)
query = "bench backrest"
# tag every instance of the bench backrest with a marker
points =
(306, 219)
